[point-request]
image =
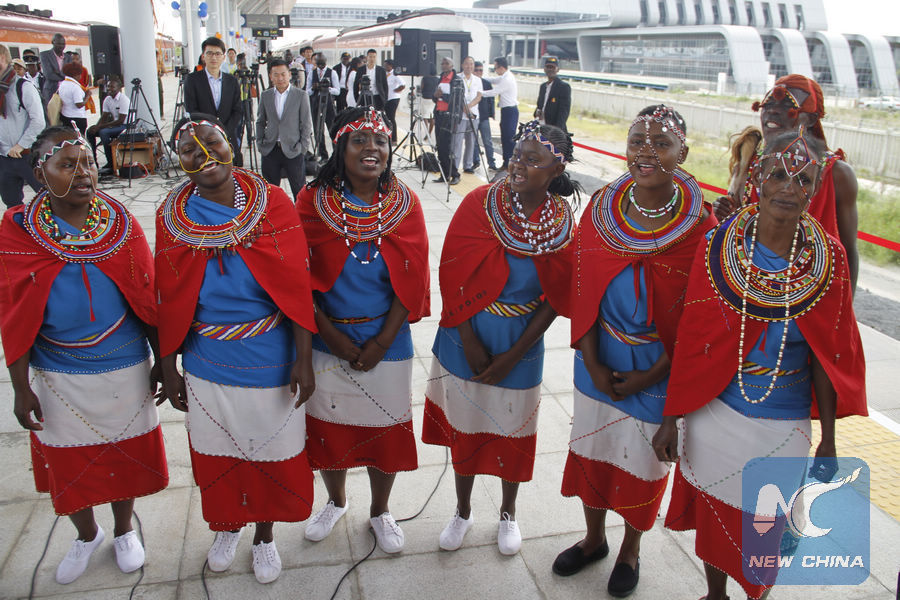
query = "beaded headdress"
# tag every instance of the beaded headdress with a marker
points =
(794, 158)
(532, 131)
(665, 116)
(371, 119)
(191, 128)
(78, 140)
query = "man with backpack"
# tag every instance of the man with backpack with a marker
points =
(21, 119)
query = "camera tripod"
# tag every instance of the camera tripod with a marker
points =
(416, 149)
(247, 79)
(178, 114)
(323, 104)
(131, 121)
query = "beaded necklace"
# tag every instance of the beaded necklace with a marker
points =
(107, 226)
(552, 232)
(653, 213)
(624, 239)
(371, 223)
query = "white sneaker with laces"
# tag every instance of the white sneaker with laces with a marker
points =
(509, 538)
(388, 534)
(266, 562)
(76, 559)
(221, 553)
(129, 552)
(324, 521)
(453, 534)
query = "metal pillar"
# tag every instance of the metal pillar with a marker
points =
(136, 31)
(188, 50)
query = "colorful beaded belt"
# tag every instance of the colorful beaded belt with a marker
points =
(91, 340)
(751, 368)
(502, 309)
(632, 339)
(238, 331)
(355, 320)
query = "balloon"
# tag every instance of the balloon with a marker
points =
(218, 35)
(202, 13)
(203, 6)
(175, 5)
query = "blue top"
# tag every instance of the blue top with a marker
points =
(498, 334)
(791, 397)
(363, 291)
(230, 294)
(627, 314)
(67, 320)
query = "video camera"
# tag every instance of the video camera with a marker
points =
(365, 84)
(182, 71)
(457, 100)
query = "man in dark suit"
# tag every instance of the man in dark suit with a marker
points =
(51, 67)
(377, 80)
(554, 97)
(283, 128)
(214, 92)
(342, 70)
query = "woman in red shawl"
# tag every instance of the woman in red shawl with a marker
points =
(234, 299)
(77, 307)
(369, 255)
(505, 274)
(633, 253)
(767, 339)
(797, 101)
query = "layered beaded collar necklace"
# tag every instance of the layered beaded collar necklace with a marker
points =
(768, 295)
(653, 213)
(357, 222)
(517, 232)
(105, 229)
(250, 199)
(608, 207)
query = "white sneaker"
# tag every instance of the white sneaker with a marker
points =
(324, 521)
(221, 553)
(129, 552)
(76, 559)
(453, 534)
(266, 562)
(388, 534)
(509, 539)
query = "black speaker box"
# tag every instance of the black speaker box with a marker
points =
(106, 56)
(413, 52)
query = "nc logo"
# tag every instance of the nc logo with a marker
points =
(797, 510)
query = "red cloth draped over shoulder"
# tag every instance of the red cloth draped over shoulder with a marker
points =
(31, 270)
(705, 359)
(404, 248)
(823, 205)
(277, 250)
(474, 270)
(665, 274)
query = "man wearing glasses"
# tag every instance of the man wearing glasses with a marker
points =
(214, 92)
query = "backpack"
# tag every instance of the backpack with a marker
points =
(19, 83)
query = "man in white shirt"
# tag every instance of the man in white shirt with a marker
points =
(322, 88)
(505, 87)
(395, 87)
(343, 72)
(283, 128)
(467, 126)
(377, 80)
(230, 65)
(112, 121)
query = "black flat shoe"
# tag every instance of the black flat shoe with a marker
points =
(572, 560)
(454, 180)
(438, 180)
(623, 579)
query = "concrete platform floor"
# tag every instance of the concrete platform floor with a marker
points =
(177, 538)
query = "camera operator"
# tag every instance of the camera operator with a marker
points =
(395, 87)
(343, 71)
(378, 78)
(467, 126)
(444, 123)
(322, 88)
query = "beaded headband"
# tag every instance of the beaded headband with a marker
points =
(666, 117)
(782, 91)
(78, 140)
(532, 131)
(190, 125)
(372, 119)
(794, 162)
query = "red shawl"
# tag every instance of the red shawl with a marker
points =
(31, 269)
(708, 335)
(823, 205)
(404, 248)
(277, 258)
(665, 275)
(474, 270)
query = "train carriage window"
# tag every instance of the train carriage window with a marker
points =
(14, 52)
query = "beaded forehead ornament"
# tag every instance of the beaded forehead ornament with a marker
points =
(668, 119)
(532, 131)
(794, 159)
(191, 127)
(782, 91)
(76, 141)
(371, 119)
